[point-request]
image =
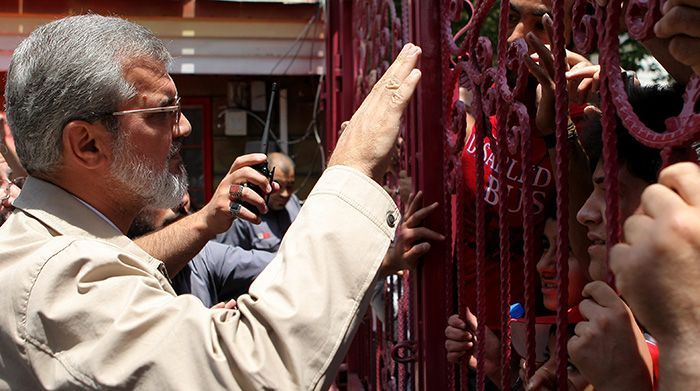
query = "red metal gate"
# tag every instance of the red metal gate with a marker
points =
(407, 350)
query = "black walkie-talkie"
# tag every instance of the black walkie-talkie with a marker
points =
(263, 167)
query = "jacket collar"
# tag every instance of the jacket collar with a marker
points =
(65, 214)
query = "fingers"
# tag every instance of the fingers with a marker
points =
(458, 341)
(398, 82)
(678, 20)
(401, 68)
(620, 258)
(456, 321)
(681, 23)
(420, 234)
(457, 334)
(540, 74)
(246, 214)
(453, 357)
(582, 328)
(589, 76)
(672, 3)
(251, 197)
(418, 217)
(545, 55)
(583, 72)
(414, 253)
(575, 59)
(543, 377)
(658, 200)
(685, 49)
(458, 346)
(684, 179)
(247, 160)
(241, 173)
(369, 139)
(549, 29)
(250, 176)
(602, 295)
(414, 201)
(472, 323)
(637, 228)
(401, 97)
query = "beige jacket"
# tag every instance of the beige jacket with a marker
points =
(83, 307)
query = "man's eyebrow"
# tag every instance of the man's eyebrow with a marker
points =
(540, 12)
(167, 101)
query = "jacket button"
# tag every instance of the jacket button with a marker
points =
(391, 220)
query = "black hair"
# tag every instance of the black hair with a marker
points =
(142, 225)
(653, 105)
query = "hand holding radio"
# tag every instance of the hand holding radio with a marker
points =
(236, 187)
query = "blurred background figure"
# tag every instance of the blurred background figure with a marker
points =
(12, 174)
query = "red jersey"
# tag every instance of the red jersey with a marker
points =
(543, 194)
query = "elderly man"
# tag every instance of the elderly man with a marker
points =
(96, 119)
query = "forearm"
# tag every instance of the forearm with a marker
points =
(178, 243)
(321, 287)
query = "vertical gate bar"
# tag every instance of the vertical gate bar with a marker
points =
(429, 322)
(562, 189)
(339, 98)
(503, 228)
(339, 69)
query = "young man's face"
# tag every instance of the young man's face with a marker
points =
(279, 199)
(526, 16)
(592, 215)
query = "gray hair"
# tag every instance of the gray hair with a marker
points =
(71, 69)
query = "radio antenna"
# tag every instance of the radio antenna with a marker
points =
(264, 145)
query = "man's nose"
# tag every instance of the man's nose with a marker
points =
(518, 32)
(183, 129)
(587, 215)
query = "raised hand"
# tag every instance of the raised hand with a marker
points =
(216, 215)
(608, 348)
(367, 141)
(460, 341)
(578, 88)
(680, 24)
(658, 272)
(411, 242)
(460, 337)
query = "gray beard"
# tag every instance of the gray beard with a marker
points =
(157, 189)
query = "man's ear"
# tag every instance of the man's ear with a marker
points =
(87, 144)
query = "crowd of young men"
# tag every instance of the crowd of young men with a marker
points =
(608, 348)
